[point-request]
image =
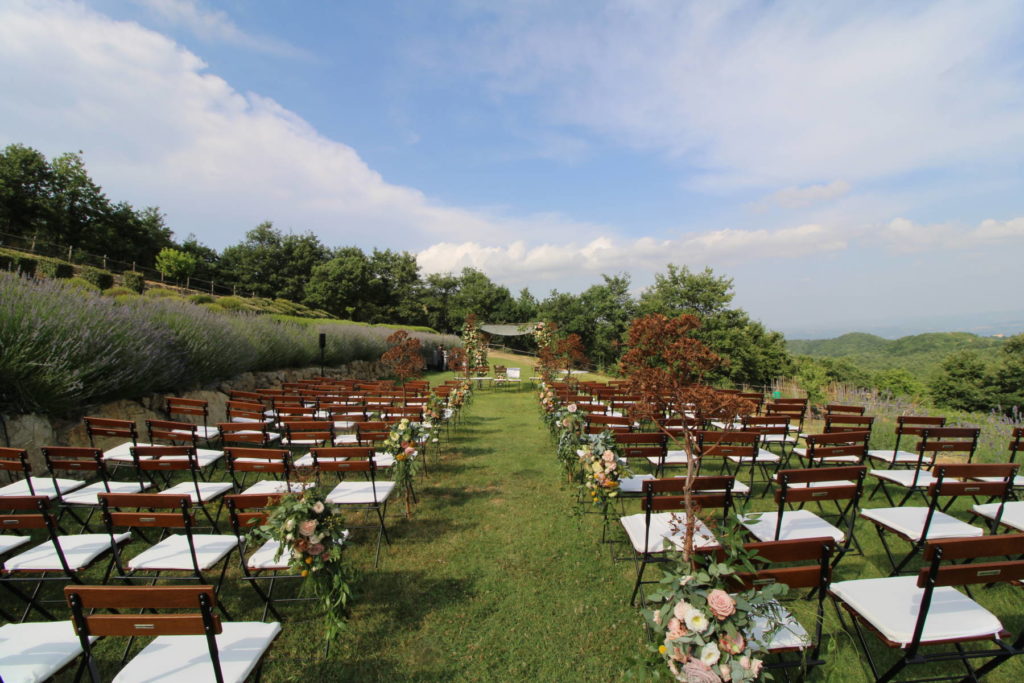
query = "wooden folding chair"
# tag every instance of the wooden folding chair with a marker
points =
(838, 423)
(14, 462)
(918, 525)
(911, 613)
(107, 428)
(841, 486)
(658, 525)
(163, 461)
(187, 646)
(38, 651)
(840, 409)
(64, 556)
(84, 496)
(195, 408)
(368, 495)
(738, 449)
(276, 462)
(935, 441)
(185, 553)
(842, 448)
(906, 425)
(266, 563)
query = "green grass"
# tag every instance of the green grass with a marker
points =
(498, 577)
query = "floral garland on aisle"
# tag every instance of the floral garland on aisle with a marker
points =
(602, 468)
(312, 534)
(403, 443)
(709, 631)
(567, 425)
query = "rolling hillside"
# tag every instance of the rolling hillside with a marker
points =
(921, 353)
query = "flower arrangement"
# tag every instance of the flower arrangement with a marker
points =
(475, 346)
(312, 534)
(567, 425)
(403, 442)
(458, 397)
(709, 631)
(601, 468)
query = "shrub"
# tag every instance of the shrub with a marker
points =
(101, 278)
(133, 281)
(57, 270)
(161, 293)
(201, 299)
(82, 284)
(119, 291)
(122, 299)
(232, 303)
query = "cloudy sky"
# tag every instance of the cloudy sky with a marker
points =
(852, 165)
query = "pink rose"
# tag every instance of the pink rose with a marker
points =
(572, 408)
(608, 456)
(721, 604)
(697, 671)
(751, 665)
(315, 549)
(307, 527)
(676, 629)
(410, 451)
(681, 609)
(725, 671)
(732, 644)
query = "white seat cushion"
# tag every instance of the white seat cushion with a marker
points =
(170, 659)
(634, 484)
(263, 558)
(208, 490)
(909, 521)
(1013, 513)
(802, 452)
(36, 651)
(891, 606)
(897, 458)
(272, 486)
(779, 438)
(123, 452)
(346, 439)
(673, 457)
(9, 542)
(796, 524)
(204, 457)
(762, 457)
(788, 632)
(905, 478)
(172, 553)
(89, 495)
(79, 551)
(43, 486)
(360, 492)
(661, 529)
(205, 433)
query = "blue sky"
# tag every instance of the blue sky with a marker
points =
(852, 165)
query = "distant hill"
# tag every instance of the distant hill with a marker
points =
(920, 353)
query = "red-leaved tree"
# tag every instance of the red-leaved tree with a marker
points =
(403, 357)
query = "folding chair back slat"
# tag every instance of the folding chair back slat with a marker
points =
(974, 573)
(155, 597)
(970, 548)
(837, 424)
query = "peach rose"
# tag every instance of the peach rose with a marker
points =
(732, 644)
(307, 527)
(676, 629)
(697, 671)
(315, 549)
(681, 609)
(721, 604)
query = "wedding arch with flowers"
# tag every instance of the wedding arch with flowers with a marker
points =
(475, 346)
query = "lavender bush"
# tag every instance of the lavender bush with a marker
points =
(62, 348)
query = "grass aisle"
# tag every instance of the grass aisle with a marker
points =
(494, 579)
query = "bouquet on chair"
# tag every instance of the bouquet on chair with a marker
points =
(708, 630)
(403, 443)
(602, 468)
(312, 534)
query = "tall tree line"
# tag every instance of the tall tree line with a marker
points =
(57, 201)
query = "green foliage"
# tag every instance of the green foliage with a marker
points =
(753, 355)
(813, 379)
(134, 281)
(100, 278)
(119, 291)
(200, 299)
(898, 382)
(271, 264)
(232, 303)
(17, 262)
(161, 293)
(52, 268)
(963, 384)
(82, 284)
(175, 264)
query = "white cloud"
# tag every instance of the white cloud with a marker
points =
(158, 129)
(772, 94)
(217, 26)
(905, 236)
(799, 197)
(518, 262)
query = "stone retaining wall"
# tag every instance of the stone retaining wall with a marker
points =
(34, 431)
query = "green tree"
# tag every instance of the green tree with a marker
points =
(1008, 377)
(271, 264)
(25, 191)
(479, 295)
(752, 354)
(898, 382)
(963, 383)
(611, 309)
(175, 264)
(438, 291)
(393, 290)
(207, 259)
(79, 205)
(339, 286)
